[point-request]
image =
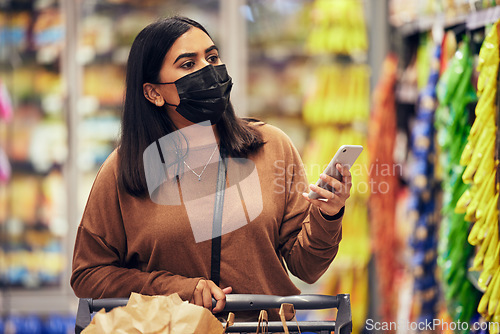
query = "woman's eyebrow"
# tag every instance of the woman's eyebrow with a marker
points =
(194, 54)
(185, 55)
(213, 47)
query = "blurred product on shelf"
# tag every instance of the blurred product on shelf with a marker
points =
(105, 82)
(422, 205)
(33, 252)
(338, 27)
(26, 117)
(33, 324)
(407, 84)
(429, 11)
(58, 324)
(340, 95)
(107, 32)
(277, 86)
(14, 29)
(277, 29)
(6, 108)
(401, 11)
(480, 159)
(6, 111)
(5, 168)
(35, 84)
(424, 56)
(455, 93)
(47, 147)
(448, 50)
(278, 66)
(383, 198)
(33, 218)
(23, 324)
(48, 35)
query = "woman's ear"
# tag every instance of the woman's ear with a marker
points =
(152, 95)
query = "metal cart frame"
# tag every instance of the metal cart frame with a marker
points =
(242, 302)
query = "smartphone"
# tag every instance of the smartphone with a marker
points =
(346, 155)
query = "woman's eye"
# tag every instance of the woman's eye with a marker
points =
(188, 64)
(213, 58)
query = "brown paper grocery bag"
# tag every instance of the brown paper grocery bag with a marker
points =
(189, 318)
(155, 315)
(263, 323)
(287, 311)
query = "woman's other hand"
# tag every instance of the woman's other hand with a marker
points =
(205, 290)
(331, 202)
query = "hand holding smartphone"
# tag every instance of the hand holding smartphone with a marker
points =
(346, 155)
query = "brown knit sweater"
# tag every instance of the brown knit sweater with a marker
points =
(125, 244)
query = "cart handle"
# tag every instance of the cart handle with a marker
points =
(240, 302)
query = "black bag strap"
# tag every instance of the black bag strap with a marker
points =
(217, 221)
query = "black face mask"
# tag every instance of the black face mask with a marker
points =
(204, 94)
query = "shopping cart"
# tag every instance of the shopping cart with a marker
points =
(242, 302)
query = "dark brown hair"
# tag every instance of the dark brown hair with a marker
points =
(143, 123)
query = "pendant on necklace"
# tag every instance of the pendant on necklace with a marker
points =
(199, 176)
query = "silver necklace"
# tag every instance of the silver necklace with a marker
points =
(199, 175)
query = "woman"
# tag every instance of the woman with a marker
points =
(137, 233)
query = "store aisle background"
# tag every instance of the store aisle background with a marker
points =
(399, 77)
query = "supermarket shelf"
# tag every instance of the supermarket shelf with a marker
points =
(118, 57)
(94, 6)
(36, 301)
(14, 6)
(345, 59)
(426, 23)
(278, 55)
(472, 21)
(27, 167)
(123, 7)
(482, 18)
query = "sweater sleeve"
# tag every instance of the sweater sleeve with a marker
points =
(309, 241)
(99, 260)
